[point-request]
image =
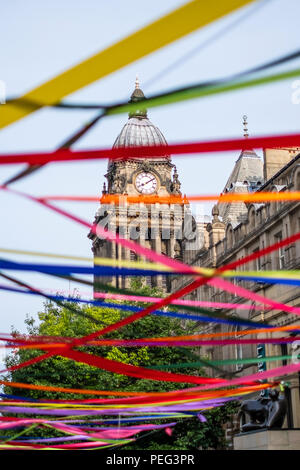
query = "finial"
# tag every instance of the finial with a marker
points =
(137, 83)
(104, 188)
(215, 213)
(245, 124)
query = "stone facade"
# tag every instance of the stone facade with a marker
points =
(277, 158)
(269, 440)
(234, 231)
(261, 226)
(156, 226)
(247, 176)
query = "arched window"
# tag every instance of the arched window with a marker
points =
(252, 218)
(238, 348)
(133, 256)
(274, 205)
(297, 180)
(229, 237)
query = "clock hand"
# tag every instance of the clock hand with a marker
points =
(149, 181)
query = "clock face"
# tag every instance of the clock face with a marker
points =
(146, 183)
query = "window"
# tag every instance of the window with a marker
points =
(257, 261)
(281, 254)
(194, 294)
(252, 219)
(284, 352)
(263, 259)
(253, 186)
(235, 282)
(238, 349)
(133, 256)
(297, 181)
(229, 239)
(289, 247)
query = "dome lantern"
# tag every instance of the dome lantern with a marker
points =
(137, 96)
(139, 130)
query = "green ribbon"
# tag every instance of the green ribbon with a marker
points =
(202, 91)
(250, 360)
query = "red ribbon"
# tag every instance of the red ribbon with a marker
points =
(182, 292)
(40, 158)
(134, 371)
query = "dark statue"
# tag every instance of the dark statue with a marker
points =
(263, 413)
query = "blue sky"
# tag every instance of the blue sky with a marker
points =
(41, 39)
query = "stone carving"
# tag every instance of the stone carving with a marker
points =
(176, 183)
(146, 166)
(118, 182)
(264, 412)
(215, 213)
(178, 250)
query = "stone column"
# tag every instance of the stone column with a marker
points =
(295, 399)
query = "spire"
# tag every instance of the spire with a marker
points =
(245, 124)
(137, 95)
(175, 185)
(137, 83)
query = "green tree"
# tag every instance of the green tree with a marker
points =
(58, 320)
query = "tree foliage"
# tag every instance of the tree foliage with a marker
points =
(57, 320)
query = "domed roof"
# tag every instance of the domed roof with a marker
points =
(139, 131)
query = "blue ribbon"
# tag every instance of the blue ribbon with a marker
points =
(131, 308)
(73, 269)
(271, 280)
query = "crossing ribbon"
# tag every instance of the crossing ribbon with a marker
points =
(190, 148)
(257, 197)
(175, 25)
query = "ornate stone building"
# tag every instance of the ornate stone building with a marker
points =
(234, 234)
(234, 231)
(156, 226)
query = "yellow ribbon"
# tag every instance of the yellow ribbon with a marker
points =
(96, 260)
(178, 23)
(290, 274)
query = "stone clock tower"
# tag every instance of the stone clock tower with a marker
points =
(156, 226)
